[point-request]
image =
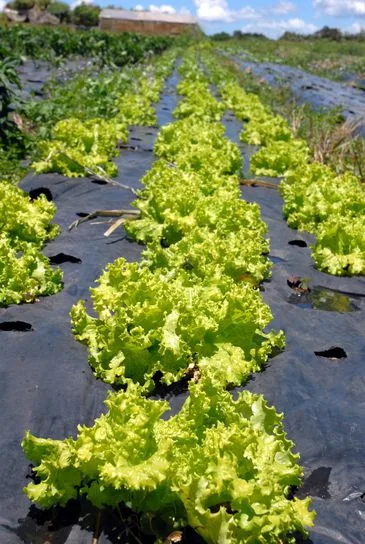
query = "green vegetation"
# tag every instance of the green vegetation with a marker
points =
(314, 194)
(222, 466)
(83, 144)
(43, 131)
(86, 15)
(10, 135)
(59, 43)
(60, 10)
(331, 139)
(190, 313)
(14, 142)
(322, 56)
(25, 273)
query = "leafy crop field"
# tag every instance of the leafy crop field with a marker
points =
(153, 381)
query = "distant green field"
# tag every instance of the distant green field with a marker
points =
(328, 58)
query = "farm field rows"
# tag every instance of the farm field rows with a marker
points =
(338, 60)
(188, 324)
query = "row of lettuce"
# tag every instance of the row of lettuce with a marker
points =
(74, 147)
(191, 309)
(316, 199)
(28, 52)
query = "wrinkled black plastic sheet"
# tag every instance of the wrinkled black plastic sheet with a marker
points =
(35, 74)
(318, 91)
(48, 387)
(323, 400)
(46, 383)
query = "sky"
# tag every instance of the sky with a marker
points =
(270, 17)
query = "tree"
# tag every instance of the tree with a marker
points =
(292, 36)
(329, 33)
(221, 36)
(21, 5)
(86, 15)
(43, 4)
(60, 10)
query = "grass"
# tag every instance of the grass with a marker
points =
(332, 139)
(328, 58)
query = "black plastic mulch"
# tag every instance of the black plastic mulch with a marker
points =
(322, 396)
(318, 91)
(47, 385)
(35, 74)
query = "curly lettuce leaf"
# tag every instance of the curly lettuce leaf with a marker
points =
(200, 146)
(78, 145)
(279, 157)
(223, 466)
(24, 220)
(25, 274)
(150, 322)
(340, 246)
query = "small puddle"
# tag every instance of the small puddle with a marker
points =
(323, 298)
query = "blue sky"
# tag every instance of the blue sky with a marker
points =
(272, 17)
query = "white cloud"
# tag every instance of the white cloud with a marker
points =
(2, 5)
(164, 8)
(341, 7)
(79, 2)
(283, 8)
(213, 10)
(274, 29)
(355, 28)
(218, 10)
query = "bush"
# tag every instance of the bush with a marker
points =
(60, 10)
(221, 36)
(86, 15)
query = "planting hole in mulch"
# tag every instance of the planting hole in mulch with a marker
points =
(121, 145)
(98, 181)
(333, 353)
(18, 326)
(35, 193)
(64, 258)
(316, 484)
(298, 243)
